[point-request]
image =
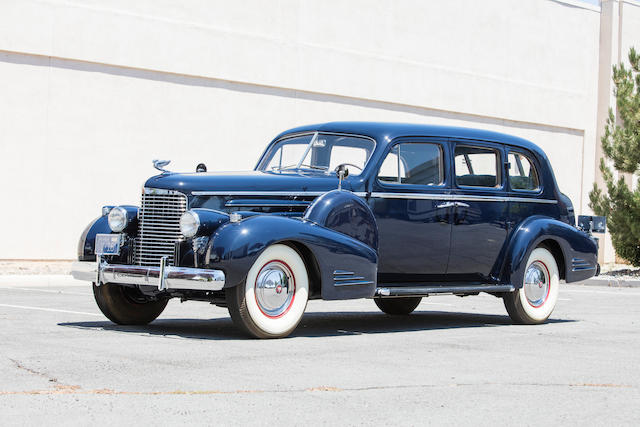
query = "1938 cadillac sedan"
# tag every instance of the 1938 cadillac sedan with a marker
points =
(393, 212)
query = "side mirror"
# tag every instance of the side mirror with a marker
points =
(201, 168)
(592, 224)
(342, 172)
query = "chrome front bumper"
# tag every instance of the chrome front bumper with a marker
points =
(164, 276)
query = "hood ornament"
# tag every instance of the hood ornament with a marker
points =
(160, 164)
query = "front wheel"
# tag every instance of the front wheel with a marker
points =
(535, 300)
(271, 302)
(398, 306)
(126, 305)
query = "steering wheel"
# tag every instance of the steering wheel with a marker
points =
(349, 164)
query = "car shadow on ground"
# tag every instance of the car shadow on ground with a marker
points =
(313, 325)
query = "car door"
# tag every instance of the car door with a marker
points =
(479, 224)
(409, 202)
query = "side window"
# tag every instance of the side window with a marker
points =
(413, 163)
(522, 173)
(392, 170)
(477, 166)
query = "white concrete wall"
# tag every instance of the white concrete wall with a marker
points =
(92, 90)
(619, 31)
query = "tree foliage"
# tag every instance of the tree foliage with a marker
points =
(621, 145)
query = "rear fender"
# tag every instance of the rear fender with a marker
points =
(234, 248)
(579, 251)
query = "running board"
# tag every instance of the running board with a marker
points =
(397, 291)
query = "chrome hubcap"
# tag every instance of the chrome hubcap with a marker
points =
(536, 284)
(275, 289)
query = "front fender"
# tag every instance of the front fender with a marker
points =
(346, 213)
(578, 250)
(234, 247)
(87, 242)
(100, 225)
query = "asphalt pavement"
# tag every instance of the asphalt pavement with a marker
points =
(455, 361)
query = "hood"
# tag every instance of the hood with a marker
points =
(257, 181)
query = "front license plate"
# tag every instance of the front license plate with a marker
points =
(107, 244)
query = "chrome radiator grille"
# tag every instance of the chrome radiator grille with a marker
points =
(159, 226)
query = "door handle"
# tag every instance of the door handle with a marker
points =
(445, 205)
(458, 215)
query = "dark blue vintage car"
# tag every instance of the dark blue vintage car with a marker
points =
(393, 212)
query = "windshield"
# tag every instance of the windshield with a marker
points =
(318, 152)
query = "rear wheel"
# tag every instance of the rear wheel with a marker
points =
(126, 305)
(271, 302)
(398, 306)
(535, 300)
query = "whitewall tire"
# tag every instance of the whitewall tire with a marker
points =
(271, 302)
(536, 299)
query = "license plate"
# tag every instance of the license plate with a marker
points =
(108, 244)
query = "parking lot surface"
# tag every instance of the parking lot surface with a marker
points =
(454, 361)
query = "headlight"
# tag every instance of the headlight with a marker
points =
(117, 219)
(189, 224)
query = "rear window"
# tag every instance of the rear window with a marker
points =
(477, 166)
(522, 173)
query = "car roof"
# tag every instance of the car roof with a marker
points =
(384, 132)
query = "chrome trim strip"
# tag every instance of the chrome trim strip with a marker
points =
(425, 291)
(579, 264)
(162, 192)
(354, 283)
(342, 272)
(528, 200)
(259, 193)
(455, 197)
(583, 268)
(347, 278)
(419, 196)
(266, 205)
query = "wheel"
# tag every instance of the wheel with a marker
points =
(533, 303)
(126, 305)
(271, 302)
(398, 306)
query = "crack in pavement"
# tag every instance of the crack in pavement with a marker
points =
(77, 390)
(33, 371)
(58, 387)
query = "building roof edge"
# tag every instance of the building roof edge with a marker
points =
(580, 4)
